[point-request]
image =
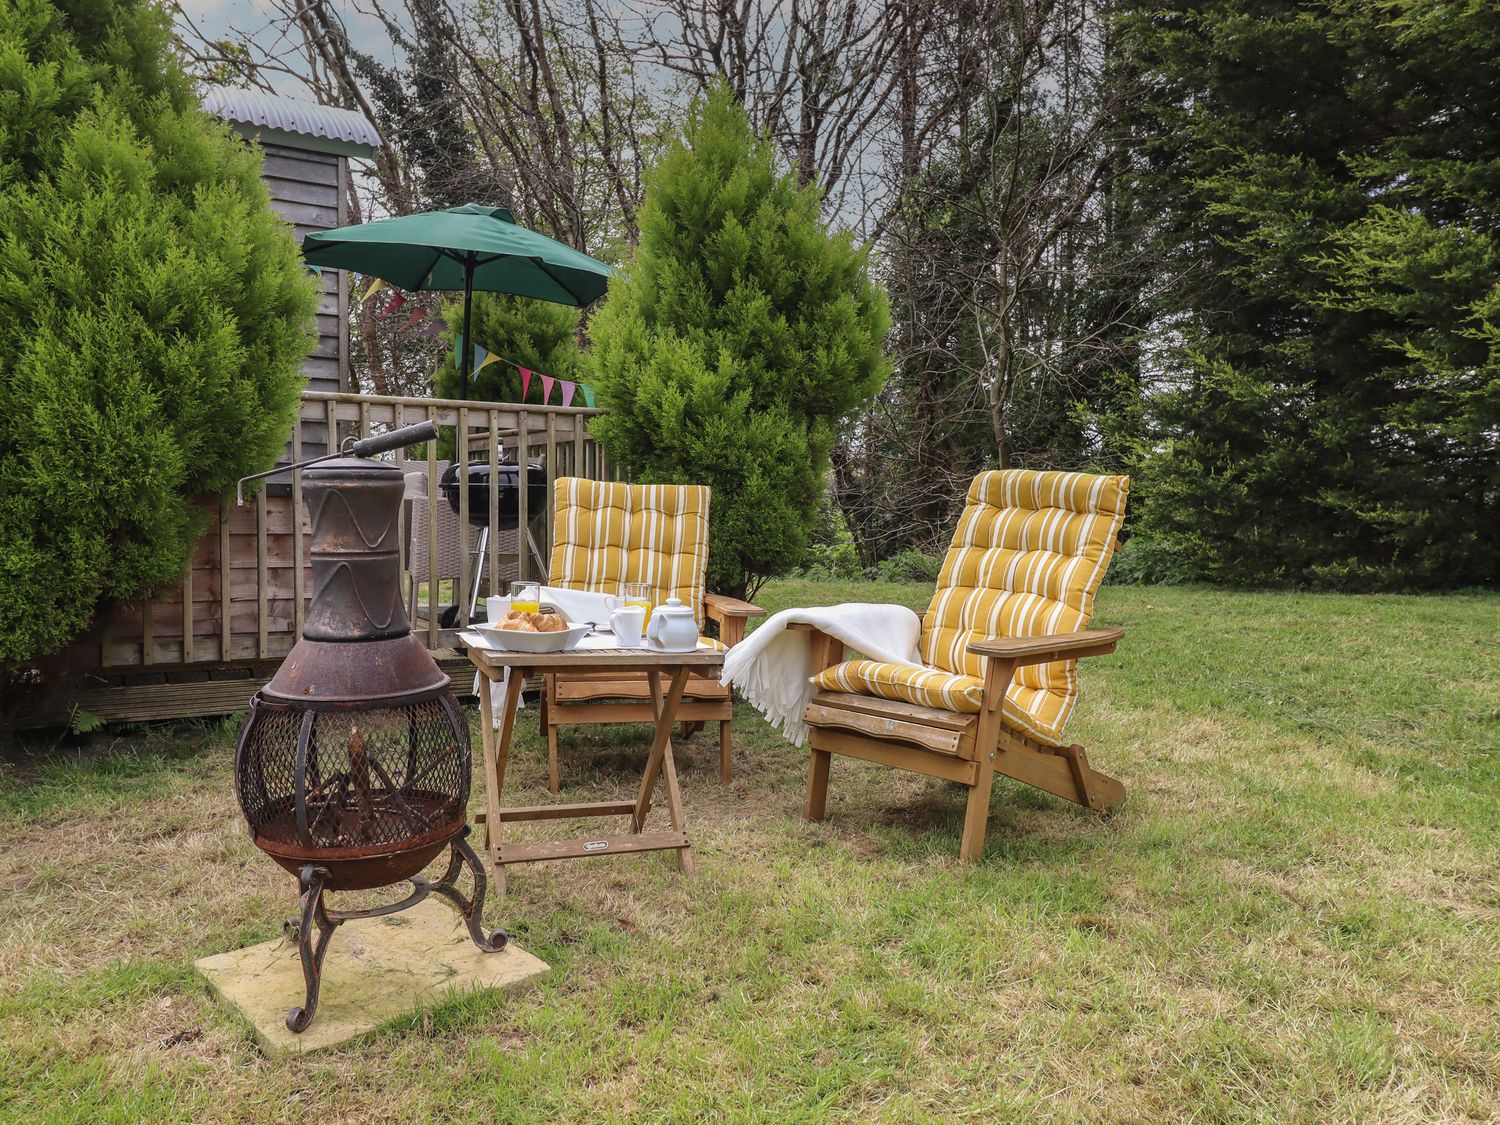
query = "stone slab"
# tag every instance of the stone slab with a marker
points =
(376, 969)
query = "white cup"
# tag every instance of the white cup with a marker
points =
(495, 610)
(628, 623)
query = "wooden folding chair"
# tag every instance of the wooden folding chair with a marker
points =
(604, 535)
(1000, 643)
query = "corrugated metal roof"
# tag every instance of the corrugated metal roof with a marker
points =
(342, 127)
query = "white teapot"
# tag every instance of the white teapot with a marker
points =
(672, 627)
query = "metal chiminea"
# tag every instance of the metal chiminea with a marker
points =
(353, 766)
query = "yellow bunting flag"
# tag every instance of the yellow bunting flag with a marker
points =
(489, 359)
(375, 287)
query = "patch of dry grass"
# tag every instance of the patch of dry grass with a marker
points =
(1293, 918)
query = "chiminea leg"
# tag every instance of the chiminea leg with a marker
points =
(471, 909)
(313, 915)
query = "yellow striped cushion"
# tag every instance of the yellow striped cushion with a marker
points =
(605, 534)
(1026, 560)
(931, 688)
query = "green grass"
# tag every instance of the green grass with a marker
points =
(1294, 917)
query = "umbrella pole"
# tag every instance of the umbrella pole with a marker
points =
(468, 344)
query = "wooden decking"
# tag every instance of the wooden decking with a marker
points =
(194, 694)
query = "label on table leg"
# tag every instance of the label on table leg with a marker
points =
(596, 845)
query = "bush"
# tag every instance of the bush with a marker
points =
(831, 553)
(1143, 560)
(909, 566)
(735, 340)
(539, 335)
(153, 315)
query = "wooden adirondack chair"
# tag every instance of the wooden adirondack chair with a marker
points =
(1000, 640)
(606, 534)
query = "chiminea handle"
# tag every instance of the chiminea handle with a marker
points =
(396, 439)
(366, 447)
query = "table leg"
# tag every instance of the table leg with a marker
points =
(666, 715)
(669, 775)
(496, 754)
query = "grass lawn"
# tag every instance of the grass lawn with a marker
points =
(1294, 917)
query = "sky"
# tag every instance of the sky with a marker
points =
(242, 19)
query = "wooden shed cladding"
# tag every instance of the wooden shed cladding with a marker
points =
(309, 190)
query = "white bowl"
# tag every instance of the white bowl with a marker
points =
(515, 640)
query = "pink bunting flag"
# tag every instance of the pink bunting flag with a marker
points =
(525, 381)
(547, 381)
(568, 389)
(396, 301)
(414, 318)
(434, 327)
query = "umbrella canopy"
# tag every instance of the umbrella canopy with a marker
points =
(469, 247)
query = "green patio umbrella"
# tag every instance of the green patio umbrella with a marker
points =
(469, 247)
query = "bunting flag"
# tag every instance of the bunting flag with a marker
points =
(588, 395)
(396, 301)
(489, 359)
(375, 287)
(568, 389)
(525, 380)
(434, 327)
(547, 381)
(420, 314)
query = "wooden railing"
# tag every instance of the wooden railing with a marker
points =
(244, 596)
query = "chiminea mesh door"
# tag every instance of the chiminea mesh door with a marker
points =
(348, 785)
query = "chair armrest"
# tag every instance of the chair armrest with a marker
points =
(718, 607)
(731, 614)
(1043, 650)
(826, 651)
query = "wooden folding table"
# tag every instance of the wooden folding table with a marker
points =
(492, 666)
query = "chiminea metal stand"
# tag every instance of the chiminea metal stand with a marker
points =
(354, 764)
(313, 881)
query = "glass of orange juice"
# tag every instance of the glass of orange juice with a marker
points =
(526, 597)
(637, 594)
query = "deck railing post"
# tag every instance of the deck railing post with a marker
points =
(523, 487)
(492, 454)
(226, 623)
(299, 583)
(262, 577)
(432, 537)
(461, 463)
(551, 477)
(401, 516)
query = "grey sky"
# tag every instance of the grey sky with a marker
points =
(250, 19)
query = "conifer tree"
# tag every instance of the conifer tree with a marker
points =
(734, 342)
(1327, 179)
(153, 314)
(540, 335)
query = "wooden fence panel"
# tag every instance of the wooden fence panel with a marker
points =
(243, 597)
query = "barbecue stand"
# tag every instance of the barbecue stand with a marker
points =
(353, 766)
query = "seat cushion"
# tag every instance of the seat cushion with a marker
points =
(1026, 709)
(1026, 560)
(605, 533)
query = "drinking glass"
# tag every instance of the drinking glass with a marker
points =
(637, 593)
(526, 597)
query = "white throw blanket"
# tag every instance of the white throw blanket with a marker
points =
(772, 667)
